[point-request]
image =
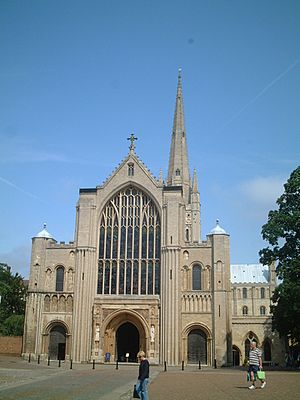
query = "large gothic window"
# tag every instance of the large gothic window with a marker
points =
(129, 245)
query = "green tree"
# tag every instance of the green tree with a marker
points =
(13, 326)
(282, 231)
(12, 302)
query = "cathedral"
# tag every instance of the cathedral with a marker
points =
(139, 276)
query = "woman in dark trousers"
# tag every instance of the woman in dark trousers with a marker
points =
(143, 378)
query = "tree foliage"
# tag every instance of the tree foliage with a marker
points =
(13, 326)
(12, 303)
(282, 232)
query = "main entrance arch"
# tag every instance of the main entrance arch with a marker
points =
(57, 343)
(125, 332)
(127, 342)
(197, 347)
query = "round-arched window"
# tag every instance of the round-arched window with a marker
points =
(60, 274)
(196, 277)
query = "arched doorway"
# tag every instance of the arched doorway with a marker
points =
(236, 355)
(57, 343)
(127, 342)
(267, 351)
(197, 347)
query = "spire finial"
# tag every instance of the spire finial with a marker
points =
(132, 139)
(179, 87)
(179, 74)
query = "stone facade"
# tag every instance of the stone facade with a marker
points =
(139, 276)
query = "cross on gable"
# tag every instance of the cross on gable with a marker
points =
(132, 139)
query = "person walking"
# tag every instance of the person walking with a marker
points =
(143, 378)
(255, 363)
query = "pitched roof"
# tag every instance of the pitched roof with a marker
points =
(249, 273)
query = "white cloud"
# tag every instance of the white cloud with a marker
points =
(263, 191)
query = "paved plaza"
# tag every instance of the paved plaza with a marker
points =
(21, 380)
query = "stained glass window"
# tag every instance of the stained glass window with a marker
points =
(129, 245)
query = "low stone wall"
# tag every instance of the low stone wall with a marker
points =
(11, 345)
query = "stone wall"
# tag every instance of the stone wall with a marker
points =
(11, 345)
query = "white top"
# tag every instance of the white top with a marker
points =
(218, 230)
(44, 234)
(249, 273)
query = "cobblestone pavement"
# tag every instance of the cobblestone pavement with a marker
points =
(224, 384)
(20, 380)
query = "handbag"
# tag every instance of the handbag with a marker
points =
(261, 375)
(135, 394)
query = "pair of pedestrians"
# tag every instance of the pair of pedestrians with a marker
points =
(255, 365)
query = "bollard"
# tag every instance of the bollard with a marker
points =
(199, 364)
(71, 364)
(165, 366)
(29, 358)
(39, 357)
(93, 364)
(48, 361)
(215, 364)
(117, 364)
(182, 366)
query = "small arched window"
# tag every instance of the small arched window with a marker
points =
(262, 310)
(197, 277)
(177, 172)
(187, 235)
(60, 274)
(244, 293)
(245, 310)
(130, 169)
(262, 293)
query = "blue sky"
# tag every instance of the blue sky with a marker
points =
(77, 77)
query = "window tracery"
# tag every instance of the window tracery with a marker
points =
(129, 245)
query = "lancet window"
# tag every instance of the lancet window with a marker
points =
(129, 245)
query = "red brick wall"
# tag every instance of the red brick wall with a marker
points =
(11, 345)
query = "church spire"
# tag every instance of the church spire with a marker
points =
(178, 173)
